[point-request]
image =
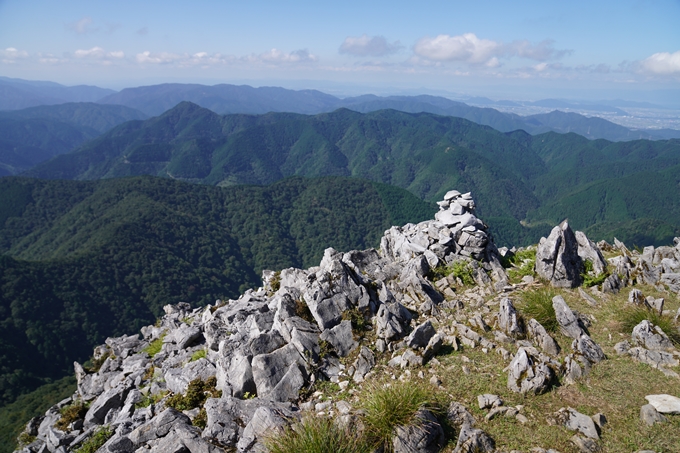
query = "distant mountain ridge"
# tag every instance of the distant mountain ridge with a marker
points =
(19, 93)
(36, 134)
(518, 177)
(153, 100)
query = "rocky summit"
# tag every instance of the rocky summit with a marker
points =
(228, 376)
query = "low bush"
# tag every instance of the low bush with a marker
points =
(520, 264)
(460, 269)
(196, 394)
(71, 413)
(316, 435)
(200, 354)
(537, 304)
(98, 439)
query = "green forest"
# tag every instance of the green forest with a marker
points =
(83, 260)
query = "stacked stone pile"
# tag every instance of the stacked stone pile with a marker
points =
(259, 358)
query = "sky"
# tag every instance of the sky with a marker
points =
(596, 49)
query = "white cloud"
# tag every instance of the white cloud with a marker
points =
(662, 63)
(97, 53)
(466, 47)
(158, 58)
(277, 56)
(82, 26)
(470, 49)
(365, 46)
(11, 55)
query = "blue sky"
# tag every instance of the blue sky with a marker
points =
(522, 49)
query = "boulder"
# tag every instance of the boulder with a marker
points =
(651, 337)
(472, 440)
(270, 369)
(576, 421)
(340, 338)
(665, 404)
(569, 323)
(541, 338)
(508, 320)
(587, 250)
(425, 435)
(421, 335)
(528, 374)
(392, 320)
(650, 415)
(557, 258)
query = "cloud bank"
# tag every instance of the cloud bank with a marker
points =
(366, 46)
(468, 48)
(662, 63)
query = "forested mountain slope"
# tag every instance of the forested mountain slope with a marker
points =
(517, 178)
(85, 260)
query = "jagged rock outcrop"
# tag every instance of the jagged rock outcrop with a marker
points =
(224, 376)
(557, 258)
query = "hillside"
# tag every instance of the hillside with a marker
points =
(36, 134)
(84, 260)
(518, 178)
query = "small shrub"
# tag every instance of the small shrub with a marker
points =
(200, 354)
(98, 439)
(357, 319)
(537, 304)
(155, 346)
(316, 435)
(197, 392)
(276, 281)
(93, 365)
(302, 310)
(630, 316)
(25, 439)
(386, 408)
(325, 349)
(460, 269)
(148, 374)
(589, 277)
(201, 419)
(71, 413)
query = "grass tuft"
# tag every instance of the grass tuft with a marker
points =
(316, 435)
(155, 346)
(98, 439)
(520, 264)
(630, 316)
(387, 407)
(537, 304)
(460, 269)
(200, 354)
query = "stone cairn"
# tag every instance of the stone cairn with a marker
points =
(264, 351)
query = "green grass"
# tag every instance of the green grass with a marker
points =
(520, 264)
(98, 439)
(155, 346)
(200, 354)
(396, 404)
(589, 277)
(537, 304)
(630, 316)
(316, 435)
(460, 269)
(196, 394)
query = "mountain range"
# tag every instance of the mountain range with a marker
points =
(520, 179)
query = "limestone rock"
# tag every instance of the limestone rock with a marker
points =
(650, 415)
(528, 374)
(426, 435)
(665, 404)
(587, 250)
(576, 421)
(508, 320)
(557, 258)
(541, 338)
(569, 323)
(472, 440)
(421, 335)
(488, 401)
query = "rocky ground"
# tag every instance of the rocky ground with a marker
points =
(523, 350)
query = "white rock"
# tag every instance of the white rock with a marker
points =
(665, 404)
